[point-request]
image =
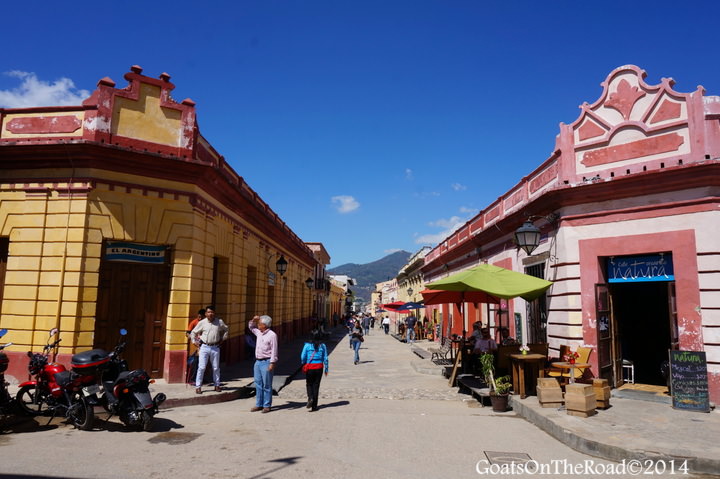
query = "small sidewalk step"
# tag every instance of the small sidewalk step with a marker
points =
(421, 352)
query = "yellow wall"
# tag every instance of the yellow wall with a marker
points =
(55, 241)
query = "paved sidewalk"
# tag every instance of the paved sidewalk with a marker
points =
(631, 429)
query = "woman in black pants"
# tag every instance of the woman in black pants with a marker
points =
(314, 358)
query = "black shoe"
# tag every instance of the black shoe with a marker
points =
(313, 409)
(309, 404)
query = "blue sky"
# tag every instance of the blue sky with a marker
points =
(370, 126)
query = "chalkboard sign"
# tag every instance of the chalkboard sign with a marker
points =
(688, 381)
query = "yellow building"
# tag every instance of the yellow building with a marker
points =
(118, 214)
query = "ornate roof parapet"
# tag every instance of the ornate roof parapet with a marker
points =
(631, 129)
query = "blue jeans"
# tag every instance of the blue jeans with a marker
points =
(211, 353)
(356, 346)
(410, 337)
(263, 383)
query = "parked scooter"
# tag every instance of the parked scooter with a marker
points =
(126, 393)
(55, 390)
(7, 405)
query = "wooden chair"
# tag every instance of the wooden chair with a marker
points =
(563, 375)
(503, 358)
(539, 348)
(564, 349)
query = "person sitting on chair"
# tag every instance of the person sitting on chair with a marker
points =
(505, 338)
(485, 344)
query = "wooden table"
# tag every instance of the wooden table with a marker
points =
(571, 367)
(518, 367)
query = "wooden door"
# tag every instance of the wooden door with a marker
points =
(135, 297)
(609, 365)
(4, 248)
(672, 313)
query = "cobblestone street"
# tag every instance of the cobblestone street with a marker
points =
(385, 372)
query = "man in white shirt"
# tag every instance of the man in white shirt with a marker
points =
(209, 333)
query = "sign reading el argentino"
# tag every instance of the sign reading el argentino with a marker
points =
(135, 252)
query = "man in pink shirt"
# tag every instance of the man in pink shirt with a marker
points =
(266, 356)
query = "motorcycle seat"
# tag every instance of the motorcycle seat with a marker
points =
(122, 377)
(64, 378)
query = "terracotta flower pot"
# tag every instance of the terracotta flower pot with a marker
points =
(499, 402)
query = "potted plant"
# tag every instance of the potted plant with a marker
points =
(499, 396)
(499, 388)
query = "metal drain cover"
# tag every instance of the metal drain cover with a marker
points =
(507, 457)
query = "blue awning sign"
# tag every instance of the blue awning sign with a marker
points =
(135, 252)
(633, 269)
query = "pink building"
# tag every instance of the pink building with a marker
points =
(629, 209)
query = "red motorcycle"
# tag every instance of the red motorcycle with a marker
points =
(55, 390)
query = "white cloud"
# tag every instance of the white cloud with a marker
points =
(458, 187)
(469, 211)
(449, 226)
(408, 174)
(392, 250)
(425, 194)
(345, 204)
(35, 92)
(447, 223)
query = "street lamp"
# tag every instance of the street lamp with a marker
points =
(410, 292)
(527, 237)
(281, 265)
(309, 283)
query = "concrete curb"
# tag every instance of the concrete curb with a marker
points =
(608, 451)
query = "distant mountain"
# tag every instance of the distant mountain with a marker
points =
(367, 275)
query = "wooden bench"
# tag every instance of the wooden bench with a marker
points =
(441, 352)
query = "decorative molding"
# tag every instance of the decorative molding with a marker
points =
(635, 149)
(624, 98)
(44, 124)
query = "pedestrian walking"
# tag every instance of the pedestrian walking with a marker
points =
(209, 333)
(266, 356)
(356, 339)
(410, 323)
(314, 358)
(350, 325)
(366, 324)
(386, 324)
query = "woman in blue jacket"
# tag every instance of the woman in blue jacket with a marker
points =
(314, 358)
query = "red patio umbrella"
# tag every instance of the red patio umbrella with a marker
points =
(436, 296)
(394, 307)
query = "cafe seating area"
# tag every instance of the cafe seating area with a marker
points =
(533, 373)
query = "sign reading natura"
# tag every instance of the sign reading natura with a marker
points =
(628, 269)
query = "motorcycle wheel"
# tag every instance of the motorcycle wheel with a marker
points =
(31, 401)
(80, 413)
(147, 421)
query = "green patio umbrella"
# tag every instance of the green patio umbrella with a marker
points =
(495, 281)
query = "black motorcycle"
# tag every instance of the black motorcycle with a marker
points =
(7, 404)
(126, 393)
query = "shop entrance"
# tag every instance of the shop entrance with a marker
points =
(134, 296)
(643, 320)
